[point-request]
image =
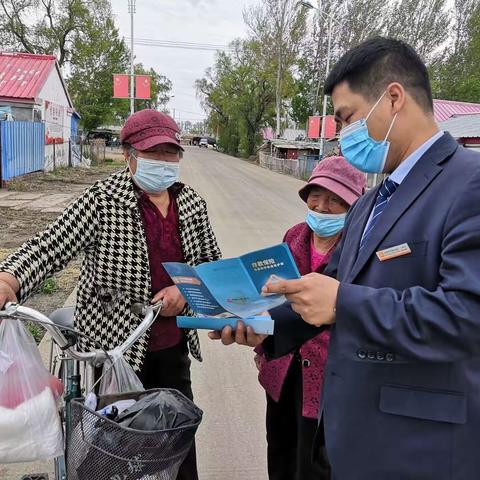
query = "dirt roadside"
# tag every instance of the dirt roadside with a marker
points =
(19, 223)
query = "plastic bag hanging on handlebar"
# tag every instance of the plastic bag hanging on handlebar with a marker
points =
(118, 376)
(29, 422)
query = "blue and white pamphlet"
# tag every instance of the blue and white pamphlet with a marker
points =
(223, 292)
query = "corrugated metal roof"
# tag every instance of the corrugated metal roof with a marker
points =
(444, 109)
(464, 126)
(22, 75)
(293, 134)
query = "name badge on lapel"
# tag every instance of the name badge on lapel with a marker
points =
(394, 252)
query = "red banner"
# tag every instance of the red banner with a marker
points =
(313, 130)
(142, 87)
(330, 130)
(120, 85)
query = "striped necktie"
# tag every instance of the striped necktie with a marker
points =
(386, 191)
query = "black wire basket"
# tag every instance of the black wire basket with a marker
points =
(101, 449)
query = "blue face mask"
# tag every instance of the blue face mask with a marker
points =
(325, 225)
(360, 149)
(155, 176)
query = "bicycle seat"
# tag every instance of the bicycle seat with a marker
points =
(63, 316)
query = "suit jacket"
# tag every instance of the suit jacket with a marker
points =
(104, 225)
(401, 398)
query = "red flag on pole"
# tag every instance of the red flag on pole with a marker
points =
(142, 87)
(313, 130)
(120, 85)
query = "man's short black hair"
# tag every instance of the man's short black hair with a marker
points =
(369, 67)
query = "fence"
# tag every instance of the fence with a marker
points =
(74, 153)
(57, 155)
(89, 151)
(302, 167)
(22, 148)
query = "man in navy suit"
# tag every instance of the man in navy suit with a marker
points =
(401, 399)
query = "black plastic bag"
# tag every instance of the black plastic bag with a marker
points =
(158, 411)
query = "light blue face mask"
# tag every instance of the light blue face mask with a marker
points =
(325, 225)
(155, 176)
(360, 149)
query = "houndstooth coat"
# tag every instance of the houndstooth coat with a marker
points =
(105, 224)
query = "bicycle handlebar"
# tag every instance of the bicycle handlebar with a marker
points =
(150, 312)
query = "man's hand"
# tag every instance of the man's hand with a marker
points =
(242, 335)
(313, 296)
(7, 293)
(173, 301)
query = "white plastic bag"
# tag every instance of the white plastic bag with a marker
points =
(29, 422)
(119, 378)
(31, 431)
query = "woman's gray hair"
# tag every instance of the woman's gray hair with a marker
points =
(129, 149)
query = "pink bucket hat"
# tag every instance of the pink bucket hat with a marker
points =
(338, 176)
(147, 128)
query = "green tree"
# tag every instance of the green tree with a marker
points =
(278, 27)
(57, 24)
(458, 77)
(98, 53)
(83, 36)
(352, 21)
(424, 24)
(239, 96)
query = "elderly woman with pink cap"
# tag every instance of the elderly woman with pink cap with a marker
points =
(291, 362)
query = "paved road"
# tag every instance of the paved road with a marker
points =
(250, 208)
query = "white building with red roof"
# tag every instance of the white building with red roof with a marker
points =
(32, 88)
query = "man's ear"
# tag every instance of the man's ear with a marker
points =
(397, 96)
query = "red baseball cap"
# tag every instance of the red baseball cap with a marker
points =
(147, 128)
(338, 176)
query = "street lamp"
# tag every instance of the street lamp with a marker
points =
(330, 19)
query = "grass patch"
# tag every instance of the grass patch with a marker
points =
(49, 286)
(5, 252)
(36, 331)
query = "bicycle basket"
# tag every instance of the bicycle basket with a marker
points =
(101, 449)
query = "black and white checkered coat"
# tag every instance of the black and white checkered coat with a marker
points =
(105, 224)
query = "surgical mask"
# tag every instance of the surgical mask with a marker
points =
(360, 149)
(325, 225)
(155, 176)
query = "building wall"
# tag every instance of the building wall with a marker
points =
(57, 115)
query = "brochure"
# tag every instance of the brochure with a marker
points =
(232, 287)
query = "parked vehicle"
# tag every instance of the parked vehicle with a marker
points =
(203, 143)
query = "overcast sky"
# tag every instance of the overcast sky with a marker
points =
(201, 21)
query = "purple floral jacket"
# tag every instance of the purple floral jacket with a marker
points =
(313, 353)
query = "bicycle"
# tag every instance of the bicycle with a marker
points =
(128, 453)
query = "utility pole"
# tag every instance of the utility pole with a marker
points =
(317, 90)
(325, 98)
(131, 10)
(330, 19)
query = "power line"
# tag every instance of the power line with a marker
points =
(181, 45)
(187, 111)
